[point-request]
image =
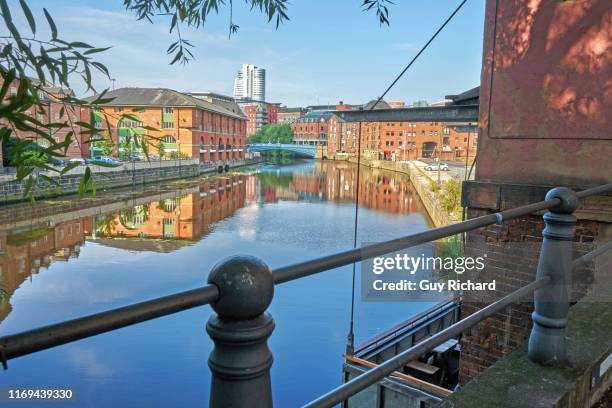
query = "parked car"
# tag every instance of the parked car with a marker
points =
(81, 161)
(57, 162)
(105, 160)
(432, 167)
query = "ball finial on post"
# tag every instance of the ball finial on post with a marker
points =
(246, 287)
(568, 198)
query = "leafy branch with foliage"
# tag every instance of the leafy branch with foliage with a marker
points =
(194, 13)
(35, 62)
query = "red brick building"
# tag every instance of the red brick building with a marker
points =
(189, 126)
(259, 114)
(290, 115)
(312, 128)
(402, 140)
(52, 100)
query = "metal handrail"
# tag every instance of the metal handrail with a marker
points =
(21, 344)
(586, 258)
(368, 378)
(28, 342)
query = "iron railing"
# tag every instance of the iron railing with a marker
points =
(241, 288)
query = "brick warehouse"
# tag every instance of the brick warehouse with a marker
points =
(402, 140)
(544, 122)
(189, 126)
(258, 114)
(51, 97)
(311, 129)
(290, 115)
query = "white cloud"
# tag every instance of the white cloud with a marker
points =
(407, 46)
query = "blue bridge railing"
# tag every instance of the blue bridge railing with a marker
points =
(301, 150)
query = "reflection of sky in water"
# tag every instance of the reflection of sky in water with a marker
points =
(164, 362)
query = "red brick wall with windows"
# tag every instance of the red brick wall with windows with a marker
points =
(50, 113)
(304, 131)
(402, 140)
(198, 133)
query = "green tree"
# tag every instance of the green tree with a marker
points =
(23, 151)
(161, 149)
(274, 133)
(107, 146)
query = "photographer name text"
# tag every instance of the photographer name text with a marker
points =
(426, 285)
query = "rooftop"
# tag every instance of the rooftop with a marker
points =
(292, 110)
(380, 105)
(163, 97)
(314, 117)
(468, 97)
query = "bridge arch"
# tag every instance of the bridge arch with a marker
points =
(299, 150)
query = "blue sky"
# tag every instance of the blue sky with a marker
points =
(329, 51)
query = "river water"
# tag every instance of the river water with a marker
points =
(66, 258)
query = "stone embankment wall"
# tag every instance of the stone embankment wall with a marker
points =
(420, 180)
(113, 177)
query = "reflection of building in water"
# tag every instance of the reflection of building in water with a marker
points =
(24, 252)
(334, 181)
(183, 218)
(164, 226)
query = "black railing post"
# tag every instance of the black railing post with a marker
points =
(551, 302)
(240, 360)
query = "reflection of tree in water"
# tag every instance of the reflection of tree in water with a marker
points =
(134, 218)
(275, 180)
(105, 225)
(168, 204)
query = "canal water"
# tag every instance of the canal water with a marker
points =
(67, 258)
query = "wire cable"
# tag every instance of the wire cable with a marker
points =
(350, 341)
(419, 53)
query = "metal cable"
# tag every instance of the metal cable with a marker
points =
(350, 337)
(419, 53)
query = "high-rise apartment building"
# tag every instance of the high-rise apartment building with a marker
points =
(250, 83)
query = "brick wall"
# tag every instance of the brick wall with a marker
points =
(512, 251)
(402, 140)
(205, 135)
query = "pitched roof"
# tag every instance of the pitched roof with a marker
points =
(139, 244)
(291, 110)
(163, 97)
(380, 105)
(314, 117)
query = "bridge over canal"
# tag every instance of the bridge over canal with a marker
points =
(299, 150)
